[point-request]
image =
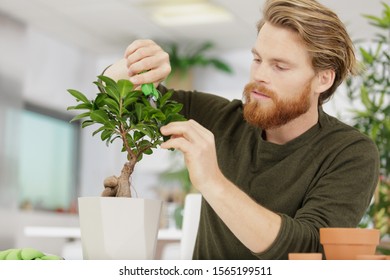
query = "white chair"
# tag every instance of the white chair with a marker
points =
(191, 216)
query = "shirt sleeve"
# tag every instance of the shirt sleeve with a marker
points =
(201, 107)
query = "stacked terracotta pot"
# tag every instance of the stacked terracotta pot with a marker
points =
(349, 243)
(345, 244)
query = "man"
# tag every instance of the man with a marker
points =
(276, 168)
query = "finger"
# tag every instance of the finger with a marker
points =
(179, 129)
(201, 129)
(137, 44)
(174, 128)
(148, 60)
(144, 52)
(177, 143)
(139, 51)
(156, 73)
(190, 130)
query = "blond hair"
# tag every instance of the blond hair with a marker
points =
(321, 31)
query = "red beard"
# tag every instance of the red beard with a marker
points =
(277, 112)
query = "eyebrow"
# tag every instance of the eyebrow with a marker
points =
(280, 60)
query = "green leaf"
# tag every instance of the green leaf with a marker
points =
(113, 93)
(172, 108)
(147, 89)
(100, 86)
(129, 100)
(99, 101)
(144, 129)
(143, 144)
(106, 134)
(71, 108)
(81, 116)
(108, 82)
(99, 116)
(112, 105)
(365, 98)
(221, 65)
(145, 101)
(78, 95)
(138, 135)
(163, 100)
(82, 106)
(87, 123)
(124, 87)
(139, 111)
(116, 137)
(98, 130)
(368, 58)
(174, 118)
(158, 115)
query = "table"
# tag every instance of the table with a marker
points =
(168, 234)
(165, 236)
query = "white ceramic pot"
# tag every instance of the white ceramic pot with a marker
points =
(119, 228)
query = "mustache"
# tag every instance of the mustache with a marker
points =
(254, 87)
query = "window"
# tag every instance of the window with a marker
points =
(48, 159)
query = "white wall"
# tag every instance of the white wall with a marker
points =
(51, 67)
(224, 84)
(12, 38)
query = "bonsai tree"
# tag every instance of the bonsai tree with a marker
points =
(130, 115)
(372, 90)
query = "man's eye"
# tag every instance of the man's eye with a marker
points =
(281, 68)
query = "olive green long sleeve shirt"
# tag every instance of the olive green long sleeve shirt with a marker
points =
(323, 178)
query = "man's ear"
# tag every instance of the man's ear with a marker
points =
(325, 79)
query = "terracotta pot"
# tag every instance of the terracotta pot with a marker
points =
(347, 243)
(305, 256)
(370, 257)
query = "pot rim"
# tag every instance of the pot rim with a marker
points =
(115, 197)
(349, 236)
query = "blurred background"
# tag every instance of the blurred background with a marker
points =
(49, 46)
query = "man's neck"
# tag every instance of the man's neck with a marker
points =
(293, 129)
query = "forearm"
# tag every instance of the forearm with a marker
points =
(255, 226)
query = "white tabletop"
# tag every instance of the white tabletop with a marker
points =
(74, 232)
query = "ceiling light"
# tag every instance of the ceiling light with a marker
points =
(174, 13)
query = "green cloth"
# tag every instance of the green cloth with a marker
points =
(323, 178)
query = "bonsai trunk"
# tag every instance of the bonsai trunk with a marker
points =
(120, 186)
(124, 180)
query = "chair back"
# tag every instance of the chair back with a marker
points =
(191, 216)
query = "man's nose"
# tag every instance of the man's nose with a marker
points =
(261, 73)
